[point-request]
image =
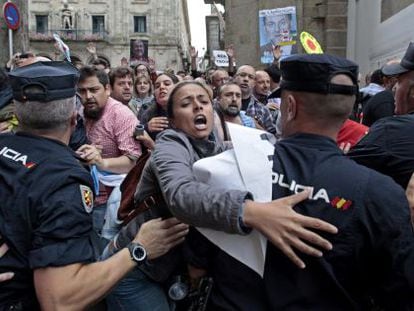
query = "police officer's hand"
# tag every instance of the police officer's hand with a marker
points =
(159, 236)
(287, 229)
(4, 127)
(91, 154)
(6, 276)
(3, 250)
(345, 147)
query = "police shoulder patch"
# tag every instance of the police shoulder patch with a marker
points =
(87, 198)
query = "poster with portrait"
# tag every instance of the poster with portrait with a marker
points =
(138, 52)
(277, 27)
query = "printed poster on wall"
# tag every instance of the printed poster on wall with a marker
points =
(277, 27)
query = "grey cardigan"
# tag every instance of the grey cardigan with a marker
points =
(170, 169)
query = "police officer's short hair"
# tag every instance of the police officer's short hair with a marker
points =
(52, 115)
(89, 71)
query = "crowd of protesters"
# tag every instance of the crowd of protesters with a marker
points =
(72, 138)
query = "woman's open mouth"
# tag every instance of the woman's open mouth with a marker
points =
(200, 122)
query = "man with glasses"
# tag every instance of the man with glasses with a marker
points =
(245, 78)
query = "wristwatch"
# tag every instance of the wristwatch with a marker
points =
(137, 252)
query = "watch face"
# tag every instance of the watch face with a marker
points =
(139, 253)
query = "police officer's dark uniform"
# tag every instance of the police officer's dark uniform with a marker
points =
(45, 194)
(373, 254)
(389, 146)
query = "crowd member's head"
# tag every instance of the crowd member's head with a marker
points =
(23, 59)
(101, 64)
(163, 87)
(318, 92)
(190, 109)
(389, 81)
(274, 73)
(229, 99)
(219, 77)
(209, 72)
(94, 90)
(46, 89)
(188, 78)
(376, 77)
(404, 93)
(120, 79)
(245, 78)
(262, 83)
(142, 68)
(181, 73)
(142, 86)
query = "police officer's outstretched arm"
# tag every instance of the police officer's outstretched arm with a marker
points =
(76, 286)
(287, 229)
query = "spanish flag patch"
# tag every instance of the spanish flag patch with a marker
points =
(87, 198)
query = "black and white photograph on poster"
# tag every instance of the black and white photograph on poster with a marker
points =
(138, 51)
(277, 27)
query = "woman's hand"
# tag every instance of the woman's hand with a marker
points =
(287, 229)
(158, 124)
(146, 140)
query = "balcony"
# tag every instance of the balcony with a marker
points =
(69, 35)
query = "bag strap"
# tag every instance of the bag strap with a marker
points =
(148, 203)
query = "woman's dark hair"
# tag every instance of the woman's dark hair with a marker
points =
(170, 102)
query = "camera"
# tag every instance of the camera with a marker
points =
(139, 130)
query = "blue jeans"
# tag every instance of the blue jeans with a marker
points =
(139, 293)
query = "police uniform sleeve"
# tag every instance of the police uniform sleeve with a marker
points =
(386, 220)
(62, 233)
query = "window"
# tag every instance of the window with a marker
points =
(41, 23)
(98, 24)
(140, 24)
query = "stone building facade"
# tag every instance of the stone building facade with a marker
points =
(111, 25)
(368, 32)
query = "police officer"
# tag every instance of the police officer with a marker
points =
(373, 253)
(46, 201)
